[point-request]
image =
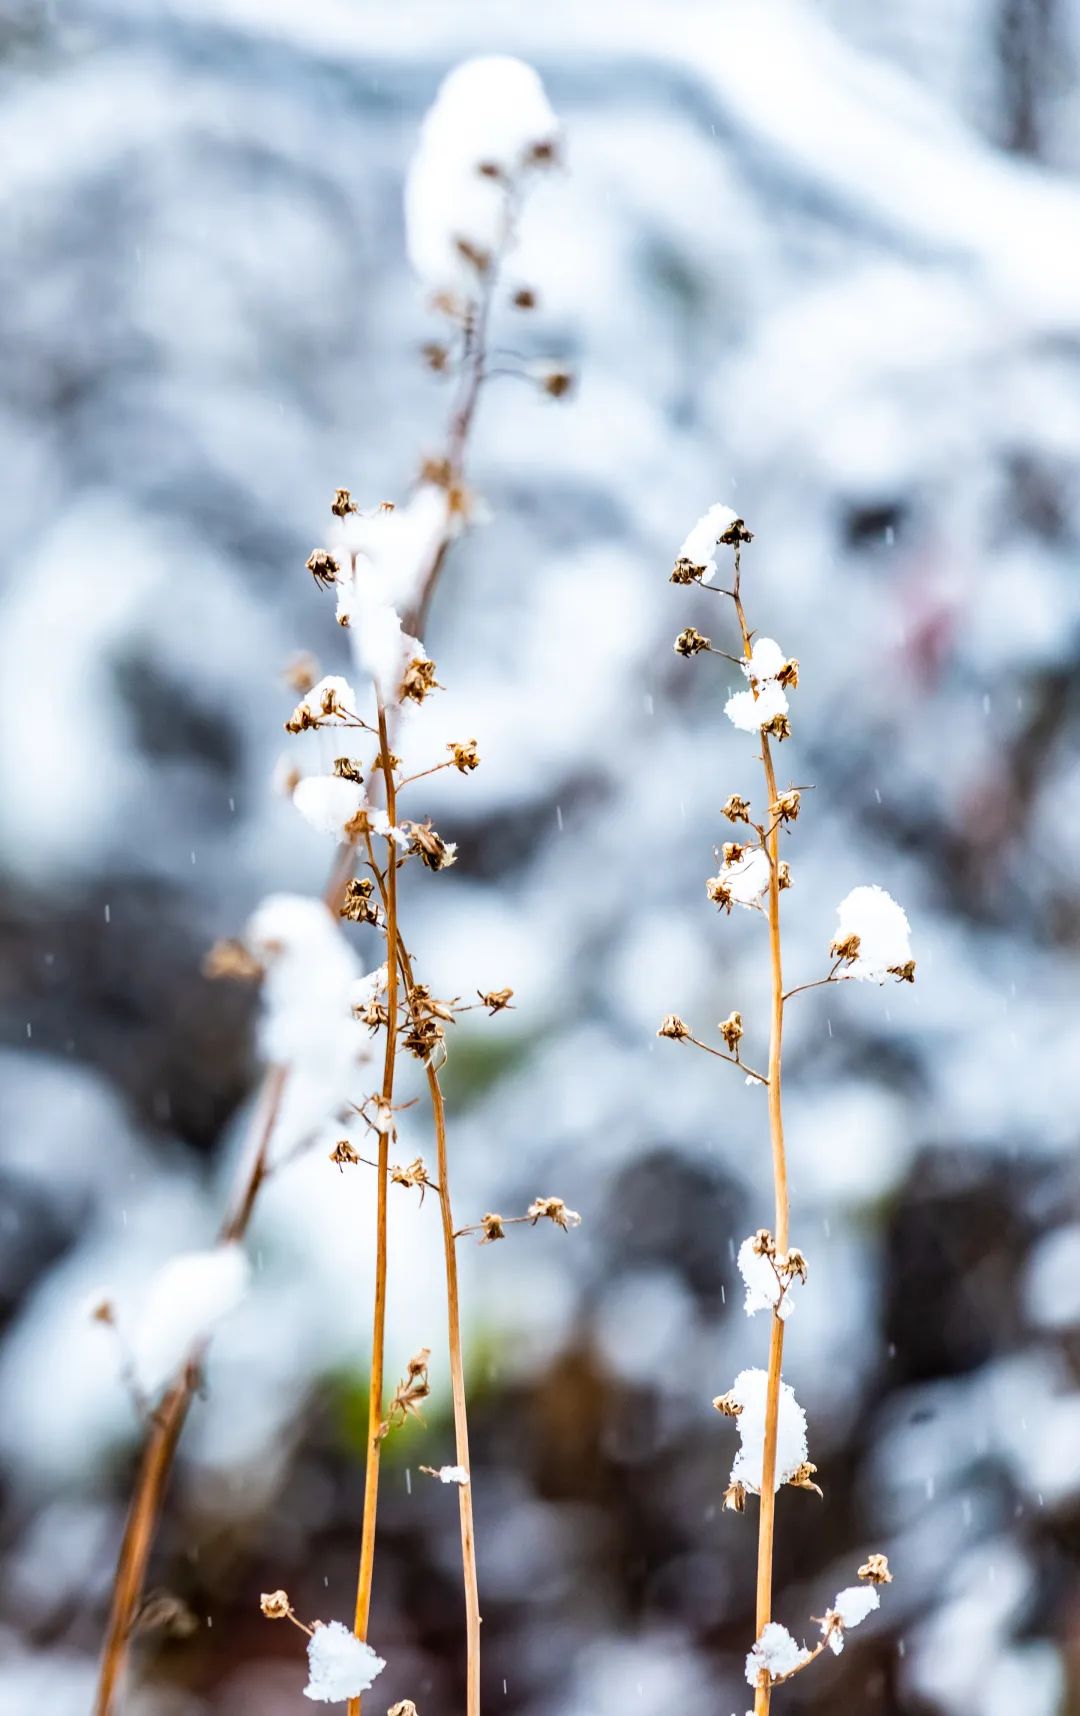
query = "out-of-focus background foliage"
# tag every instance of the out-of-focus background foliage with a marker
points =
(821, 261)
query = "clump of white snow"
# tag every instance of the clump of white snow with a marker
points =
(183, 1303)
(340, 1666)
(775, 1652)
(881, 929)
(490, 123)
(749, 1392)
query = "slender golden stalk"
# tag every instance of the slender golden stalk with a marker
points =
(457, 1367)
(378, 1332)
(767, 1513)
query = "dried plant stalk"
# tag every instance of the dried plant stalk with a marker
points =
(872, 943)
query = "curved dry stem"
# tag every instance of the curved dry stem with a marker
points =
(453, 1317)
(166, 1425)
(378, 1333)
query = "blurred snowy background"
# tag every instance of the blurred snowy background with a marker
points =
(821, 261)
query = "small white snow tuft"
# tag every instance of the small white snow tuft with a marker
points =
(699, 548)
(749, 1391)
(340, 1666)
(883, 931)
(776, 1652)
(750, 713)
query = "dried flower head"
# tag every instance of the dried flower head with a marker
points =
(553, 1209)
(735, 1498)
(323, 568)
(405, 1707)
(413, 1176)
(731, 1030)
(876, 1569)
(783, 874)
(556, 382)
(787, 805)
(411, 1390)
(275, 1605)
(344, 1155)
(348, 770)
(419, 681)
(492, 1225)
(357, 905)
(777, 727)
(231, 959)
(691, 642)
(342, 503)
(763, 1244)
(719, 892)
(802, 1478)
(496, 1000)
(727, 1405)
(788, 674)
(302, 670)
(524, 298)
(433, 851)
(673, 1027)
(737, 808)
(793, 1264)
(465, 754)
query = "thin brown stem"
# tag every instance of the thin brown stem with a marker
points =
(732, 1060)
(166, 1424)
(457, 1369)
(378, 1332)
(767, 1514)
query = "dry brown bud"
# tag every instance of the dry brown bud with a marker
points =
(342, 503)
(419, 681)
(764, 1244)
(556, 383)
(736, 532)
(789, 675)
(847, 949)
(727, 1405)
(778, 728)
(348, 770)
(275, 1605)
(323, 568)
(734, 851)
(431, 848)
(554, 1210)
(524, 298)
(787, 805)
(103, 1312)
(492, 1225)
(465, 754)
(793, 1264)
(802, 1478)
(690, 642)
(783, 874)
(731, 1030)
(406, 1707)
(357, 906)
(415, 1175)
(735, 1498)
(479, 259)
(906, 972)
(496, 1000)
(436, 356)
(301, 672)
(719, 892)
(876, 1569)
(685, 572)
(230, 958)
(673, 1027)
(343, 1154)
(737, 808)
